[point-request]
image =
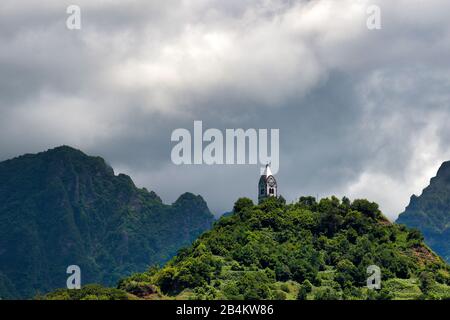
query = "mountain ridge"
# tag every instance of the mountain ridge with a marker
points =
(430, 212)
(62, 207)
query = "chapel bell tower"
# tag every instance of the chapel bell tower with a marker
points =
(267, 186)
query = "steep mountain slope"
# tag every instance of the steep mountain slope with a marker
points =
(306, 250)
(430, 212)
(62, 207)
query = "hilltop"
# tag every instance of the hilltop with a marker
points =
(305, 250)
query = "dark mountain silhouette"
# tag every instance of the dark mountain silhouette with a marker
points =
(62, 207)
(430, 212)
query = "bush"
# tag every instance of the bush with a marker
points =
(304, 289)
(367, 208)
(88, 292)
(241, 204)
(327, 293)
(426, 281)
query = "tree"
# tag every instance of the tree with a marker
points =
(281, 200)
(271, 203)
(165, 279)
(346, 202)
(426, 281)
(330, 223)
(346, 273)
(241, 204)
(307, 201)
(415, 235)
(304, 289)
(367, 208)
(255, 285)
(327, 293)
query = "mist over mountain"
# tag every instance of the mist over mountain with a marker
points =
(430, 212)
(62, 207)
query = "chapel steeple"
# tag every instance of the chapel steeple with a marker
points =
(267, 186)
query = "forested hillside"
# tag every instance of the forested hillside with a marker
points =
(306, 250)
(62, 207)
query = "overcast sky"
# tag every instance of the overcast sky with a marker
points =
(363, 113)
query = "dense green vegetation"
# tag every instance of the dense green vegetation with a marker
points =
(62, 207)
(430, 212)
(305, 250)
(88, 292)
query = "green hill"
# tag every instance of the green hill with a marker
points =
(62, 207)
(305, 250)
(430, 212)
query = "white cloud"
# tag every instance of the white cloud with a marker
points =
(361, 111)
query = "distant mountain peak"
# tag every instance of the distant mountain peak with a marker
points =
(191, 201)
(444, 170)
(189, 196)
(430, 212)
(63, 151)
(64, 148)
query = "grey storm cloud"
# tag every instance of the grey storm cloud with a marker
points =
(362, 113)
